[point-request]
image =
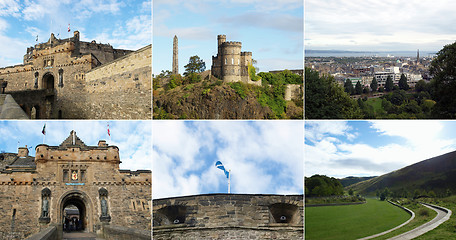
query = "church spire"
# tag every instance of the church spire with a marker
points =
(175, 56)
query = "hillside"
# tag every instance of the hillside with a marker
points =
(211, 98)
(347, 181)
(437, 174)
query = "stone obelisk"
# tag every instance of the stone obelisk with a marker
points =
(175, 53)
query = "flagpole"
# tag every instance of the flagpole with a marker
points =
(229, 178)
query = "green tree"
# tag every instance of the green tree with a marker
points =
(403, 85)
(443, 67)
(389, 84)
(348, 86)
(358, 88)
(420, 86)
(324, 98)
(350, 192)
(195, 65)
(374, 85)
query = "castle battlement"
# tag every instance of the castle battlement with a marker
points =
(246, 53)
(232, 43)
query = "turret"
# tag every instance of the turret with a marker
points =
(221, 39)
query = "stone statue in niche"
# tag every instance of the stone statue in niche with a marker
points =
(45, 208)
(104, 208)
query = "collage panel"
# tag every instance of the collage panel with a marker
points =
(228, 179)
(228, 59)
(75, 59)
(379, 179)
(379, 60)
(75, 179)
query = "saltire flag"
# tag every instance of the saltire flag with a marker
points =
(109, 133)
(44, 129)
(69, 27)
(36, 38)
(219, 165)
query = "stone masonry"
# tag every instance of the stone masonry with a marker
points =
(34, 191)
(229, 216)
(62, 65)
(230, 64)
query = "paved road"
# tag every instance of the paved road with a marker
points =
(80, 236)
(441, 217)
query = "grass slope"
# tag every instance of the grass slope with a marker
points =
(446, 230)
(437, 174)
(352, 222)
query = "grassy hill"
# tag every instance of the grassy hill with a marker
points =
(437, 174)
(347, 181)
(206, 97)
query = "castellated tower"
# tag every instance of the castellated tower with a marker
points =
(175, 56)
(230, 64)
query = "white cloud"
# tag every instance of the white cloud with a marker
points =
(378, 25)
(264, 157)
(340, 158)
(9, 7)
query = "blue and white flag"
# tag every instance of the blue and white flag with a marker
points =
(219, 165)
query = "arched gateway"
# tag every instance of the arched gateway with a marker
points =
(72, 186)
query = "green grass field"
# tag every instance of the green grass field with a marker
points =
(446, 230)
(376, 103)
(353, 221)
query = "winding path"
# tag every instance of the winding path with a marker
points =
(443, 215)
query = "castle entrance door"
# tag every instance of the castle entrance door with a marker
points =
(48, 81)
(75, 212)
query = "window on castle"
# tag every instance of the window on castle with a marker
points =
(36, 79)
(60, 78)
(65, 175)
(232, 61)
(225, 60)
(83, 175)
(239, 61)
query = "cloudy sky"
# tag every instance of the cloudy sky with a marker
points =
(123, 24)
(371, 148)
(372, 25)
(264, 157)
(271, 29)
(132, 137)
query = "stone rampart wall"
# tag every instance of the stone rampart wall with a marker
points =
(121, 89)
(221, 216)
(111, 232)
(293, 91)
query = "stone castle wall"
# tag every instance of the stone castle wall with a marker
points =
(225, 216)
(20, 205)
(121, 89)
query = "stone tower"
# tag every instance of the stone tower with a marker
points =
(417, 57)
(231, 64)
(175, 55)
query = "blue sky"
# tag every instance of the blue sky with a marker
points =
(123, 24)
(372, 25)
(132, 137)
(371, 148)
(264, 157)
(271, 29)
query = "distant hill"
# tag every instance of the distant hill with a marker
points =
(437, 174)
(347, 181)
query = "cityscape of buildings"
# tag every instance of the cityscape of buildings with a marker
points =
(365, 69)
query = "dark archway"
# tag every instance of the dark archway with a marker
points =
(48, 81)
(76, 205)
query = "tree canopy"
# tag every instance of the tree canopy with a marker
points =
(374, 85)
(443, 67)
(322, 186)
(403, 85)
(195, 65)
(389, 84)
(326, 99)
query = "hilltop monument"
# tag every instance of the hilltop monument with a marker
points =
(175, 55)
(230, 64)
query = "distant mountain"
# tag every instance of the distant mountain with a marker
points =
(347, 181)
(437, 174)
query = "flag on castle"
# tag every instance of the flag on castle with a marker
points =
(44, 129)
(219, 165)
(109, 133)
(69, 27)
(36, 38)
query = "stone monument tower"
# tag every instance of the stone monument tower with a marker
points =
(175, 53)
